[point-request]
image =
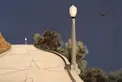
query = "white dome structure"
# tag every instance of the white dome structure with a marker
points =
(25, 63)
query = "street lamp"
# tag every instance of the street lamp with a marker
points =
(73, 12)
(25, 41)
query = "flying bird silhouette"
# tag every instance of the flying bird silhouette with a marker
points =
(103, 14)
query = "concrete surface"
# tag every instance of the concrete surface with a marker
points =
(25, 63)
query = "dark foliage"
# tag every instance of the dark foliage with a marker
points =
(115, 76)
(49, 40)
(94, 75)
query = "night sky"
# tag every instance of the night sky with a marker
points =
(102, 35)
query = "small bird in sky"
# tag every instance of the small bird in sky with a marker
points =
(103, 14)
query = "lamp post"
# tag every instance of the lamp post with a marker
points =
(25, 41)
(74, 66)
(73, 12)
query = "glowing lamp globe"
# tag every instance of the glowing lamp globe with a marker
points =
(73, 11)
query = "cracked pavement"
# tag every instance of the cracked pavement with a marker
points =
(25, 63)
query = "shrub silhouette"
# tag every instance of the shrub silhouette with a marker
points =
(49, 40)
(94, 75)
(115, 76)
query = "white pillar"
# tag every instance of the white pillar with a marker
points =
(73, 45)
(74, 66)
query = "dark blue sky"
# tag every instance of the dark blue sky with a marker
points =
(102, 35)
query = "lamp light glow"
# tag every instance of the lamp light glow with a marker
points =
(73, 11)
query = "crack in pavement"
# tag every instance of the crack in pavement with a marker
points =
(28, 68)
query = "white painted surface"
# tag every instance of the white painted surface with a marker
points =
(25, 63)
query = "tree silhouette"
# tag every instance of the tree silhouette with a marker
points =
(49, 40)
